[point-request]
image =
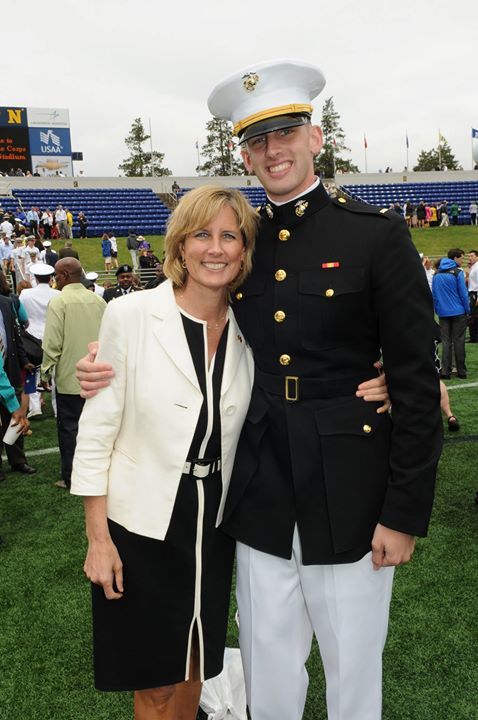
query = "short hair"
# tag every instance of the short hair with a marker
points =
(454, 253)
(196, 210)
(475, 252)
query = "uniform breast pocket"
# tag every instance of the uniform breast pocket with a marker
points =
(248, 308)
(333, 305)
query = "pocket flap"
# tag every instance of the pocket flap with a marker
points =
(353, 416)
(329, 283)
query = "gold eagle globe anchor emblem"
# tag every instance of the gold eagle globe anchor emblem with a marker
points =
(250, 81)
(300, 207)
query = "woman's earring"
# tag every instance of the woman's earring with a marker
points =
(183, 264)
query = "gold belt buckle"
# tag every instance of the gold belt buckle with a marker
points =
(293, 395)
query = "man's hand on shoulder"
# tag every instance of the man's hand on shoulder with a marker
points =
(391, 547)
(93, 375)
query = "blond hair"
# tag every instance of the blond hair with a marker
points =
(195, 211)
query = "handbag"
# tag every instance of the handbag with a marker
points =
(33, 348)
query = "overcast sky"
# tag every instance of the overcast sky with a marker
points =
(390, 66)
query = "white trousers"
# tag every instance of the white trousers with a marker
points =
(282, 603)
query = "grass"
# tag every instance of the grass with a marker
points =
(430, 672)
(434, 242)
(45, 646)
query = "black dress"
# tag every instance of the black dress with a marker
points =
(178, 587)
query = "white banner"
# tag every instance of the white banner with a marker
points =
(48, 117)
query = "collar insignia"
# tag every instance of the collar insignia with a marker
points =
(300, 207)
(250, 81)
(269, 211)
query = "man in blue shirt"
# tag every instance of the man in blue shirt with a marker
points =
(452, 306)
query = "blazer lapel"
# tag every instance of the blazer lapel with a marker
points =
(235, 347)
(169, 331)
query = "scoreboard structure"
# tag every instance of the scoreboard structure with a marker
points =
(36, 140)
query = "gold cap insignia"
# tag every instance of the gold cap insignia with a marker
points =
(300, 207)
(269, 211)
(250, 81)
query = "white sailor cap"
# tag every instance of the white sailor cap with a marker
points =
(92, 275)
(268, 96)
(42, 269)
(46, 243)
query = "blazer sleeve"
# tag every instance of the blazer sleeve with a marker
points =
(98, 429)
(407, 332)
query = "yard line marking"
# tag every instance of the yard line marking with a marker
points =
(463, 385)
(44, 451)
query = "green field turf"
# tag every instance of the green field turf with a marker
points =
(434, 242)
(431, 669)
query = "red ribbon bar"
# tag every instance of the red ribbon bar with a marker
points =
(325, 266)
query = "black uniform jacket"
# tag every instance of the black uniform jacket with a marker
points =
(335, 284)
(116, 291)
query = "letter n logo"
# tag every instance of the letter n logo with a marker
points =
(14, 116)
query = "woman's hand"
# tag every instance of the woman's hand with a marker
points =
(376, 390)
(19, 418)
(103, 567)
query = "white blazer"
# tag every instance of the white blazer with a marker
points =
(134, 436)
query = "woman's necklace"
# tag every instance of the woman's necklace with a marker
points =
(216, 324)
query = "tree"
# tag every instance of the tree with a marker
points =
(440, 158)
(219, 151)
(328, 162)
(141, 162)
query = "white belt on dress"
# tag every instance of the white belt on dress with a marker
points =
(201, 468)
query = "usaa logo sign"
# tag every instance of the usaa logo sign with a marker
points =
(13, 116)
(50, 143)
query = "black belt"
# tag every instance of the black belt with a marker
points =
(293, 388)
(202, 468)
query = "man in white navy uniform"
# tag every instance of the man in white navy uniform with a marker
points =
(326, 496)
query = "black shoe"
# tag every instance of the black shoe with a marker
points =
(24, 468)
(462, 377)
(443, 376)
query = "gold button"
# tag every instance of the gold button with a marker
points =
(342, 200)
(367, 429)
(285, 359)
(239, 296)
(329, 292)
(280, 275)
(279, 316)
(284, 235)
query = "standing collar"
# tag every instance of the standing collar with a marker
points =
(292, 212)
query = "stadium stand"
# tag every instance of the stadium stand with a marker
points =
(107, 210)
(384, 195)
(255, 195)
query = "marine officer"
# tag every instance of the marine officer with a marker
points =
(327, 496)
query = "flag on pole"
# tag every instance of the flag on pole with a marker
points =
(441, 139)
(197, 145)
(406, 140)
(365, 144)
(474, 134)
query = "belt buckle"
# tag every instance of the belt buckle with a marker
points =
(293, 395)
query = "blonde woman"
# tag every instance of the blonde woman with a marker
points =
(153, 460)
